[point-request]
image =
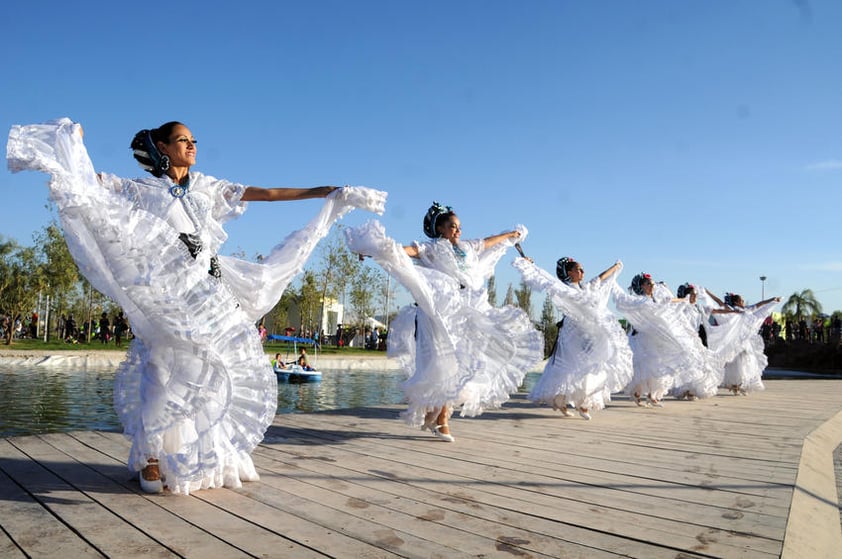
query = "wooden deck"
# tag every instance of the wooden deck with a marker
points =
(724, 477)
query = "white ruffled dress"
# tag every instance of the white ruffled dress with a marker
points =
(196, 390)
(456, 349)
(667, 350)
(711, 366)
(745, 347)
(592, 358)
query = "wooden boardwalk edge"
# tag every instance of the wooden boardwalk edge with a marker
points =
(813, 528)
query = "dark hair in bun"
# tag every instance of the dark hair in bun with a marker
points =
(685, 289)
(145, 151)
(431, 219)
(563, 267)
(638, 282)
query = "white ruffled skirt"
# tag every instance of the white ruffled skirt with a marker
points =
(457, 350)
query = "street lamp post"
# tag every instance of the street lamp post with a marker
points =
(762, 288)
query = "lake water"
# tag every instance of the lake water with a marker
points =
(49, 399)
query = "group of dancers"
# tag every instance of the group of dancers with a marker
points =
(460, 353)
(196, 392)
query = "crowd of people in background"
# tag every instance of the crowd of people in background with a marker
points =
(818, 330)
(104, 330)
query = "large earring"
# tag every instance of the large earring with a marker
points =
(164, 165)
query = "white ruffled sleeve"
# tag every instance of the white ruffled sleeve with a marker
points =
(259, 286)
(488, 258)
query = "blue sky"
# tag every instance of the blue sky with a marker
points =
(697, 141)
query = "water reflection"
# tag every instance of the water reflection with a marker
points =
(49, 399)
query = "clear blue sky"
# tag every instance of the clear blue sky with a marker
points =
(697, 141)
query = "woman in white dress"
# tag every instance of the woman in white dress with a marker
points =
(744, 371)
(697, 314)
(591, 358)
(667, 350)
(196, 392)
(457, 350)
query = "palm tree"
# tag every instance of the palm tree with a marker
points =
(802, 304)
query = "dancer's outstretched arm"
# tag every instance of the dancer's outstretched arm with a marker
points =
(258, 194)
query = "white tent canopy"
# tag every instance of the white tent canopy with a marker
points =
(372, 322)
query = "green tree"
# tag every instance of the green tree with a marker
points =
(492, 291)
(548, 325)
(21, 280)
(364, 286)
(524, 298)
(509, 299)
(309, 301)
(8, 247)
(337, 269)
(60, 273)
(801, 305)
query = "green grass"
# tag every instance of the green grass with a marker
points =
(41, 345)
(269, 347)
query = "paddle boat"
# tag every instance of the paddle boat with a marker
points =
(292, 371)
(296, 373)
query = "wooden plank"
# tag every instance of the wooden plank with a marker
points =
(25, 519)
(222, 532)
(8, 548)
(552, 463)
(171, 531)
(458, 534)
(712, 478)
(510, 493)
(288, 524)
(74, 498)
(418, 501)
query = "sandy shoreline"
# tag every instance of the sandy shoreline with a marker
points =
(377, 361)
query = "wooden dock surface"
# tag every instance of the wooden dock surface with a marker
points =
(732, 476)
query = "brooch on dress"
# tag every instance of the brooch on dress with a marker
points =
(178, 191)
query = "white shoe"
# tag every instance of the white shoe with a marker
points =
(584, 413)
(154, 483)
(447, 437)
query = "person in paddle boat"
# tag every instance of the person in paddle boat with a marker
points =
(302, 362)
(196, 392)
(457, 350)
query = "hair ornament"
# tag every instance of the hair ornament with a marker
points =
(731, 299)
(561, 268)
(433, 214)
